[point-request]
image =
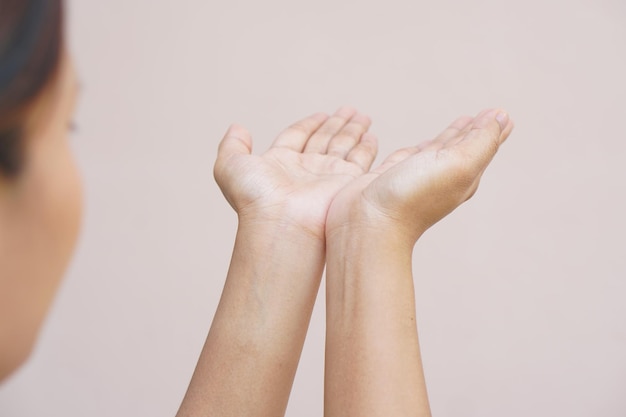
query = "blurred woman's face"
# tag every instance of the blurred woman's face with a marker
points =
(40, 213)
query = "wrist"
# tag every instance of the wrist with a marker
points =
(369, 226)
(278, 244)
(356, 251)
(289, 219)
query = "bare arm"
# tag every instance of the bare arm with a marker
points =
(251, 353)
(250, 357)
(373, 363)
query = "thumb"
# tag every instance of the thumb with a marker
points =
(237, 140)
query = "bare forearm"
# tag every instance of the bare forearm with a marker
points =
(373, 363)
(250, 357)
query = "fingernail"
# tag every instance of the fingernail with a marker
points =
(503, 119)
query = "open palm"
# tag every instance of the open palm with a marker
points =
(416, 187)
(297, 178)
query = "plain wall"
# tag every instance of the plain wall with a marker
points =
(520, 292)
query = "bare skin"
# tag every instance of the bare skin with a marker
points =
(373, 363)
(309, 196)
(39, 220)
(282, 198)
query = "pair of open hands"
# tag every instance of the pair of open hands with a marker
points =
(317, 175)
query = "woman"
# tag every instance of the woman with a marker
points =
(308, 201)
(39, 187)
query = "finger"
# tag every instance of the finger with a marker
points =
(508, 128)
(364, 153)
(459, 137)
(455, 129)
(486, 135)
(297, 135)
(237, 140)
(318, 143)
(349, 136)
(396, 157)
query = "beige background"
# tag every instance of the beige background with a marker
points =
(521, 292)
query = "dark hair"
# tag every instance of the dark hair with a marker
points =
(31, 39)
